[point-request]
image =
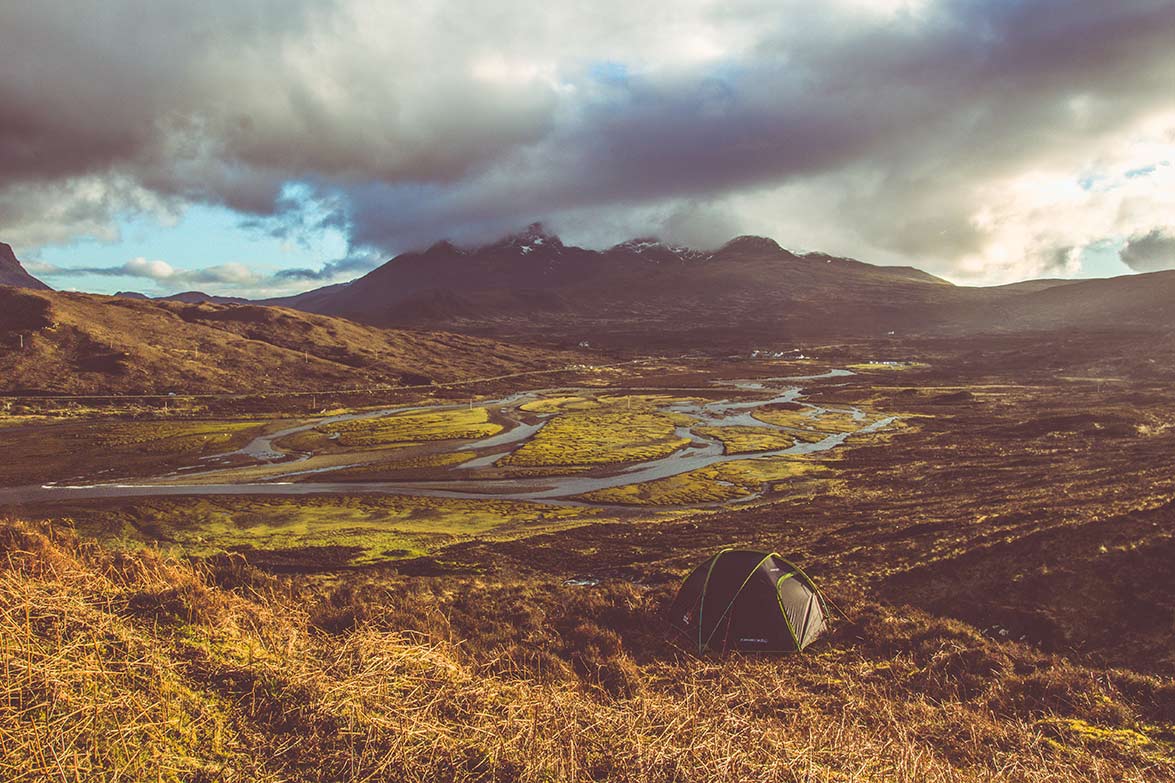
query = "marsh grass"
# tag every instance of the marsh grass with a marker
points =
(118, 448)
(747, 440)
(421, 466)
(414, 426)
(806, 419)
(606, 436)
(361, 528)
(716, 483)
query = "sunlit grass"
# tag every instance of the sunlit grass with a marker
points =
(415, 426)
(747, 440)
(556, 404)
(877, 366)
(716, 483)
(420, 466)
(600, 437)
(372, 527)
(803, 418)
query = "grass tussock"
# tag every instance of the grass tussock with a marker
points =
(140, 667)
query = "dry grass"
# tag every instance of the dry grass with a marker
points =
(143, 668)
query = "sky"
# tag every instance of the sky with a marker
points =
(264, 147)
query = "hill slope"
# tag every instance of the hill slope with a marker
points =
(79, 343)
(12, 273)
(158, 669)
(1142, 302)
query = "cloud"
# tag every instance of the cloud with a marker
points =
(951, 134)
(1150, 252)
(156, 270)
(332, 270)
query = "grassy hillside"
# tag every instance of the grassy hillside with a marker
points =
(68, 343)
(159, 669)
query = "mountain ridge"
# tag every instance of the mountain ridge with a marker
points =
(531, 283)
(531, 286)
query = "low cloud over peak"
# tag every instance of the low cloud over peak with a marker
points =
(982, 141)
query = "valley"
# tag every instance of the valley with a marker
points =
(992, 517)
(571, 454)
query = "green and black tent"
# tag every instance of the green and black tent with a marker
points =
(744, 600)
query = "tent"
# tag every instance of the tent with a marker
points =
(745, 600)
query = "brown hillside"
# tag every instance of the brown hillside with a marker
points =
(83, 343)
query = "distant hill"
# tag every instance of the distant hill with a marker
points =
(196, 297)
(533, 284)
(1142, 302)
(1032, 286)
(12, 273)
(78, 343)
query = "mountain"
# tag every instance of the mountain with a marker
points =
(532, 284)
(57, 342)
(648, 294)
(197, 297)
(12, 273)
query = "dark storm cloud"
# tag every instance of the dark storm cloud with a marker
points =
(927, 107)
(901, 122)
(1150, 252)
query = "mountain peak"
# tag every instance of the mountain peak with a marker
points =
(749, 243)
(444, 247)
(533, 238)
(639, 244)
(656, 250)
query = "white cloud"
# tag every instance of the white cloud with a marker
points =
(158, 271)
